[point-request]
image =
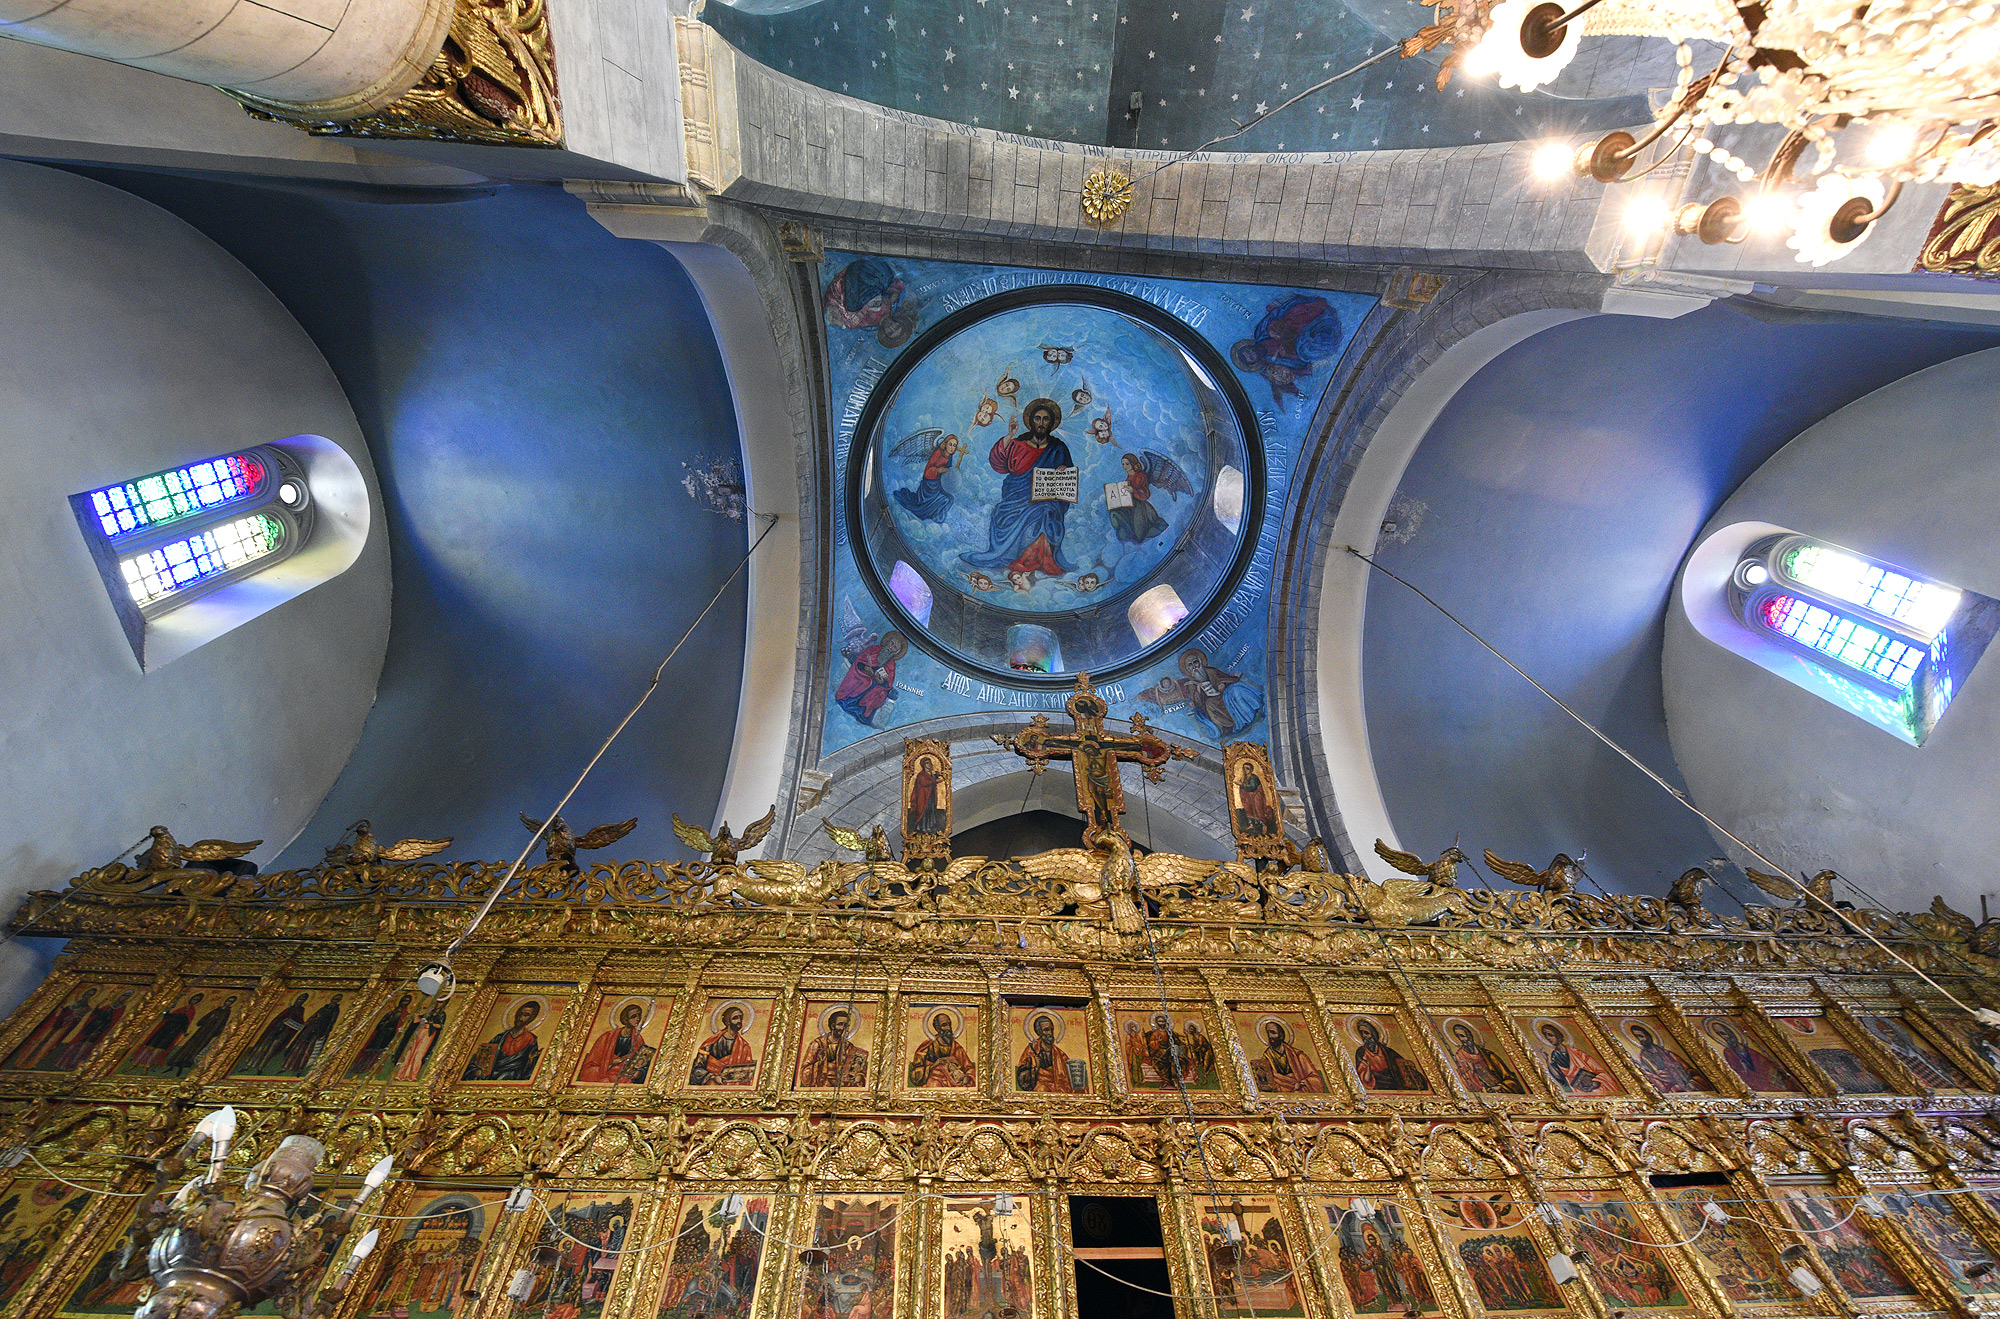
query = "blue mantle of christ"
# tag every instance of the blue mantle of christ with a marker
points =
(1018, 519)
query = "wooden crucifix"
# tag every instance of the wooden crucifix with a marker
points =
(1094, 754)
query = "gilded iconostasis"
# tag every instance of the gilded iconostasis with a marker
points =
(894, 1102)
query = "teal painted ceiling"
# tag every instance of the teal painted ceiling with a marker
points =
(1067, 69)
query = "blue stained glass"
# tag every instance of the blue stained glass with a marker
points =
(179, 564)
(134, 506)
(1853, 643)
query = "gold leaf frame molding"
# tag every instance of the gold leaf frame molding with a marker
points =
(494, 82)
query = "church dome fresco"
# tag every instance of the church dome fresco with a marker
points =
(1055, 484)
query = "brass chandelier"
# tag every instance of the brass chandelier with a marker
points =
(1871, 97)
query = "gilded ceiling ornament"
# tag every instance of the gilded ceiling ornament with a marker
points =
(494, 82)
(1965, 238)
(1107, 194)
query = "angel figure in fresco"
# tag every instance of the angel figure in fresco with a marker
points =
(620, 1053)
(1295, 333)
(929, 501)
(941, 1060)
(1573, 1069)
(1380, 1066)
(1144, 471)
(1043, 1066)
(1025, 534)
(1283, 1067)
(1482, 1070)
(1222, 703)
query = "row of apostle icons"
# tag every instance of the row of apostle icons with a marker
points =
(705, 1252)
(1045, 1050)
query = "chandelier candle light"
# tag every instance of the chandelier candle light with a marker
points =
(1872, 97)
(214, 1250)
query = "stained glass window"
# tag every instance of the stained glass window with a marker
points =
(1923, 606)
(157, 573)
(1850, 641)
(134, 506)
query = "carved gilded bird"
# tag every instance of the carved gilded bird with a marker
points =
(1556, 881)
(1685, 892)
(561, 844)
(721, 848)
(874, 846)
(1442, 872)
(1119, 879)
(366, 850)
(1784, 886)
(165, 854)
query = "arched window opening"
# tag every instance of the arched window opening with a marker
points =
(1888, 645)
(164, 540)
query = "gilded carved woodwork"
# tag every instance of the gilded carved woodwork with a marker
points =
(1272, 1042)
(493, 82)
(1965, 237)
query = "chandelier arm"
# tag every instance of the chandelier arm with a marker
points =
(1882, 208)
(1696, 90)
(1668, 155)
(1559, 24)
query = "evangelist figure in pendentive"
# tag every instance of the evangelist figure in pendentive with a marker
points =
(1025, 534)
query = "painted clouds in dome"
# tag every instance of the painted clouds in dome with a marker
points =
(1020, 399)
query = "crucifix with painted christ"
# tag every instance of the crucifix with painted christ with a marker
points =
(1094, 754)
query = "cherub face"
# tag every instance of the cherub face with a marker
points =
(981, 582)
(988, 409)
(1020, 581)
(1090, 581)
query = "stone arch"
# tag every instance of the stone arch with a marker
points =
(1401, 369)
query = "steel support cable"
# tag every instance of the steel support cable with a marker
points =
(500, 889)
(1667, 787)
